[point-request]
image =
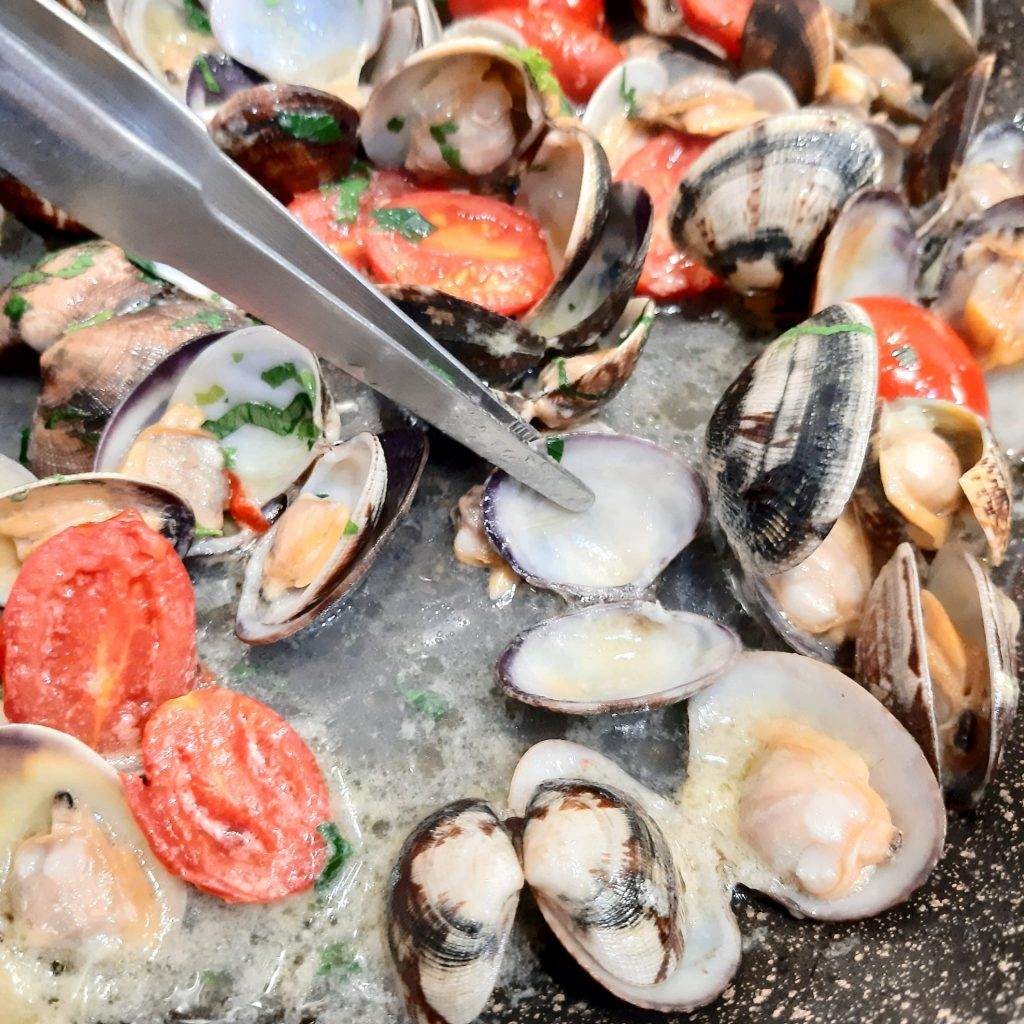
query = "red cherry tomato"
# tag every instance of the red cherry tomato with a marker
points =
(920, 356)
(473, 247)
(243, 509)
(721, 21)
(587, 12)
(99, 631)
(658, 166)
(580, 57)
(232, 797)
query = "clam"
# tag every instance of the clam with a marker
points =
(792, 38)
(411, 26)
(461, 107)
(940, 653)
(96, 364)
(871, 250)
(471, 547)
(451, 903)
(322, 545)
(814, 794)
(214, 79)
(78, 881)
(756, 204)
(630, 890)
(33, 512)
(648, 504)
(897, 92)
(289, 138)
(615, 658)
(251, 401)
(321, 44)
(90, 282)
(13, 474)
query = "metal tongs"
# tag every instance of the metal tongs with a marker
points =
(88, 129)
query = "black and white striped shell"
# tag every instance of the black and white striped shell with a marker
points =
(451, 902)
(786, 444)
(756, 204)
(963, 743)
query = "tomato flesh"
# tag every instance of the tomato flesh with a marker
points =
(98, 632)
(580, 57)
(659, 166)
(921, 356)
(231, 799)
(721, 21)
(243, 509)
(586, 12)
(477, 248)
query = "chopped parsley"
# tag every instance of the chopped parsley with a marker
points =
(207, 531)
(351, 527)
(439, 133)
(339, 850)
(202, 65)
(62, 413)
(17, 306)
(395, 125)
(29, 277)
(208, 318)
(147, 267)
(627, 93)
(427, 702)
(822, 330)
(310, 126)
(229, 457)
(19, 497)
(81, 263)
(294, 418)
(214, 393)
(196, 18)
(26, 433)
(406, 220)
(556, 447)
(277, 375)
(587, 396)
(337, 962)
(348, 191)
(236, 357)
(90, 321)
(540, 71)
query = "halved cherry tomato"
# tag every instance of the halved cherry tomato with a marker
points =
(243, 509)
(721, 21)
(473, 247)
(98, 632)
(659, 166)
(587, 12)
(921, 356)
(579, 57)
(231, 799)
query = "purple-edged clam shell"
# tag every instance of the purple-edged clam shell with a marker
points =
(629, 656)
(405, 451)
(214, 78)
(648, 505)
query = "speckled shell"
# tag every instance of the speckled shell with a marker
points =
(451, 902)
(785, 445)
(756, 204)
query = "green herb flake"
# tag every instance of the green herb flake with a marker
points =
(209, 81)
(339, 850)
(90, 321)
(323, 494)
(17, 306)
(208, 531)
(197, 19)
(906, 357)
(395, 125)
(19, 497)
(295, 417)
(337, 962)
(243, 669)
(586, 396)
(29, 277)
(229, 457)
(208, 318)
(81, 263)
(62, 413)
(236, 357)
(540, 71)
(26, 433)
(556, 447)
(449, 153)
(351, 527)
(277, 375)
(427, 702)
(214, 393)
(310, 126)
(406, 220)
(147, 267)
(822, 330)
(627, 94)
(348, 191)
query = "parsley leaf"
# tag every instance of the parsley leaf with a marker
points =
(62, 413)
(540, 71)
(147, 267)
(29, 277)
(431, 704)
(406, 220)
(81, 263)
(17, 306)
(439, 133)
(296, 417)
(202, 65)
(214, 393)
(395, 125)
(587, 396)
(90, 321)
(336, 961)
(310, 126)
(197, 19)
(277, 375)
(207, 531)
(339, 850)
(627, 95)
(555, 447)
(351, 527)
(211, 318)
(26, 433)
(348, 191)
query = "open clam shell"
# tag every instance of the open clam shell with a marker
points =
(871, 250)
(615, 658)
(785, 445)
(802, 694)
(648, 505)
(756, 204)
(710, 939)
(214, 79)
(451, 902)
(38, 509)
(940, 654)
(353, 473)
(13, 474)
